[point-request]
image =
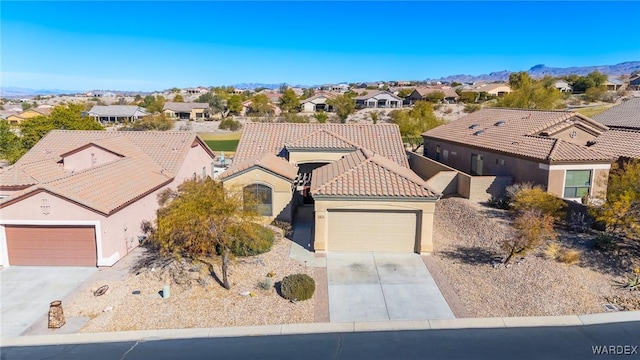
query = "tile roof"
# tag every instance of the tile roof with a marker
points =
(620, 142)
(518, 134)
(184, 106)
(375, 94)
(318, 95)
(365, 173)
(624, 115)
(117, 110)
(448, 92)
(258, 138)
(267, 161)
(150, 160)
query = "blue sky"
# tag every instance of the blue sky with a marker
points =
(151, 45)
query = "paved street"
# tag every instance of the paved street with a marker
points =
(566, 343)
(382, 286)
(27, 291)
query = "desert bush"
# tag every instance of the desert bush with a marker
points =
(321, 116)
(513, 189)
(533, 227)
(286, 226)
(297, 287)
(254, 242)
(294, 118)
(552, 251)
(265, 284)
(499, 203)
(605, 242)
(579, 221)
(536, 199)
(469, 108)
(448, 110)
(230, 124)
(569, 256)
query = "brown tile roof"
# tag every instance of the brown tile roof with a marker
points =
(518, 134)
(184, 106)
(258, 138)
(364, 173)
(150, 160)
(322, 94)
(448, 92)
(624, 115)
(374, 93)
(267, 161)
(619, 142)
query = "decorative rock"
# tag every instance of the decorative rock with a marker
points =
(245, 293)
(136, 292)
(56, 315)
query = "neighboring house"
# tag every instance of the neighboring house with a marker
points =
(357, 178)
(420, 93)
(78, 198)
(634, 82)
(246, 106)
(4, 114)
(378, 99)
(317, 102)
(623, 138)
(549, 148)
(498, 90)
(339, 88)
(613, 84)
(563, 86)
(117, 113)
(16, 119)
(195, 91)
(186, 110)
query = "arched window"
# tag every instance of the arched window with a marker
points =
(258, 195)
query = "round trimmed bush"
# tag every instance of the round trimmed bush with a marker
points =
(297, 287)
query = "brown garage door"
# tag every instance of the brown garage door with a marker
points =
(51, 245)
(361, 230)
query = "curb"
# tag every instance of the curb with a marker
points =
(314, 328)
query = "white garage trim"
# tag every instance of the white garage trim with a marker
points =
(101, 261)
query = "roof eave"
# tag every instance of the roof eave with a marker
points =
(376, 198)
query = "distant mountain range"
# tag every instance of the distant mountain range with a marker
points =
(541, 70)
(536, 71)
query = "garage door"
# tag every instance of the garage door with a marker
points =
(372, 231)
(51, 245)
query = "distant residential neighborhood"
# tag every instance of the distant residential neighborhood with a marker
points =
(487, 185)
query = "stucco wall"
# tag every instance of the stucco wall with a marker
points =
(281, 188)
(322, 206)
(300, 157)
(482, 188)
(196, 159)
(89, 157)
(580, 137)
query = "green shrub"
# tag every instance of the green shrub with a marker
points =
(499, 203)
(253, 241)
(230, 124)
(537, 199)
(265, 284)
(605, 242)
(469, 108)
(297, 287)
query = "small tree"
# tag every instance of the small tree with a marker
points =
(435, 97)
(374, 116)
(289, 101)
(536, 199)
(178, 98)
(321, 116)
(343, 106)
(201, 217)
(533, 227)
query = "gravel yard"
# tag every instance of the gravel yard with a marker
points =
(467, 239)
(196, 306)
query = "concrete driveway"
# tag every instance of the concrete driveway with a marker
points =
(26, 291)
(368, 286)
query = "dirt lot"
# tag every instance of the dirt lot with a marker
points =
(195, 305)
(467, 239)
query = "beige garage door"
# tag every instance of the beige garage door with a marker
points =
(51, 245)
(372, 231)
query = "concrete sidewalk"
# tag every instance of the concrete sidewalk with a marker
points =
(311, 328)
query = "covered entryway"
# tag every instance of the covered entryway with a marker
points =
(372, 230)
(51, 245)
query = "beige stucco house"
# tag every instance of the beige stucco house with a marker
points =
(317, 102)
(356, 178)
(28, 114)
(552, 148)
(186, 110)
(78, 198)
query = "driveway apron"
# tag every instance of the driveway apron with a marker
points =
(27, 291)
(366, 286)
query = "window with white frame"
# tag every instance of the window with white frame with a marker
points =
(577, 184)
